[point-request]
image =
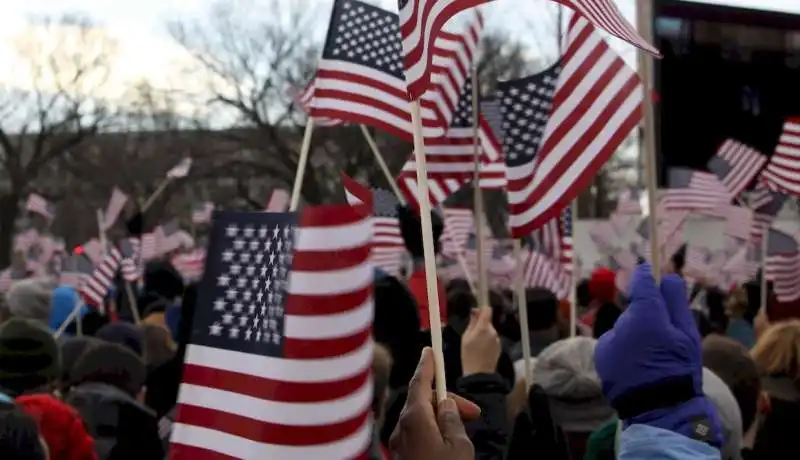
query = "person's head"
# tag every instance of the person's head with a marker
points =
(715, 301)
(381, 371)
(603, 286)
(736, 306)
(63, 303)
(71, 350)
(459, 305)
(61, 427)
(582, 293)
(19, 436)
(162, 279)
(607, 315)
(30, 361)
(158, 345)
(396, 326)
(566, 374)
(731, 362)
(113, 365)
(458, 284)
(28, 298)
(411, 230)
(125, 334)
(777, 352)
(542, 309)
(724, 402)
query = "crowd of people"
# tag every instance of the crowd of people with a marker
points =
(648, 373)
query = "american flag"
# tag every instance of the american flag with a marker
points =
(450, 159)
(563, 124)
(130, 264)
(115, 205)
(38, 205)
(691, 190)
(554, 238)
(76, 269)
(738, 221)
(459, 224)
(279, 362)
(95, 288)
(180, 170)
(421, 22)
(697, 261)
(760, 196)
(201, 213)
(782, 264)
(360, 76)
(780, 175)
(278, 201)
(768, 207)
(305, 99)
(740, 267)
(388, 247)
(736, 165)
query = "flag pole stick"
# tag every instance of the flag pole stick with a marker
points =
(573, 295)
(428, 249)
(152, 198)
(301, 165)
(477, 197)
(644, 14)
(373, 146)
(133, 303)
(522, 310)
(764, 249)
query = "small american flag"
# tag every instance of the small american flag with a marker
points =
(278, 366)
(387, 242)
(738, 221)
(114, 207)
(180, 170)
(782, 264)
(563, 124)
(459, 224)
(38, 205)
(736, 165)
(628, 203)
(278, 201)
(130, 265)
(421, 22)
(96, 287)
(450, 159)
(691, 190)
(780, 175)
(75, 270)
(201, 214)
(766, 209)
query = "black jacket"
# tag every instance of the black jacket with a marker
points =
(490, 433)
(121, 427)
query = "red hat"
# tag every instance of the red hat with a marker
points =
(61, 427)
(602, 285)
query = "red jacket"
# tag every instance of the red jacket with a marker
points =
(419, 289)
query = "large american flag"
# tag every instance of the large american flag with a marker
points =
(562, 125)
(450, 160)
(693, 191)
(388, 246)
(782, 264)
(422, 20)
(360, 76)
(781, 173)
(279, 362)
(736, 165)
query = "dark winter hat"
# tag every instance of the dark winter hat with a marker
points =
(113, 365)
(125, 334)
(411, 229)
(29, 356)
(161, 277)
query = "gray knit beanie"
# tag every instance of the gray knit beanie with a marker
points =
(30, 299)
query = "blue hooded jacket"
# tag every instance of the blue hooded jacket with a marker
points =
(61, 305)
(656, 344)
(644, 442)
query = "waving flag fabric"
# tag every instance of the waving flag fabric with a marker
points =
(561, 126)
(278, 366)
(782, 173)
(736, 165)
(422, 20)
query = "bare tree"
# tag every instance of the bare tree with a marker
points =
(54, 105)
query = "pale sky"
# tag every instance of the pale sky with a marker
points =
(145, 50)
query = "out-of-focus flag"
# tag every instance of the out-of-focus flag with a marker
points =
(459, 224)
(201, 212)
(782, 264)
(279, 363)
(96, 287)
(75, 270)
(130, 264)
(766, 206)
(278, 201)
(114, 207)
(736, 165)
(180, 170)
(781, 175)
(38, 205)
(691, 190)
(628, 203)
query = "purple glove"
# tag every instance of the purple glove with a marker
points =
(651, 362)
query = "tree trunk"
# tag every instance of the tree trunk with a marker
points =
(9, 209)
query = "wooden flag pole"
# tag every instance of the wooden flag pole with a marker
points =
(522, 310)
(764, 249)
(573, 295)
(428, 249)
(477, 197)
(644, 14)
(401, 199)
(154, 196)
(301, 165)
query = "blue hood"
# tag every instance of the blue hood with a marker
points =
(62, 304)
(645, 442)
